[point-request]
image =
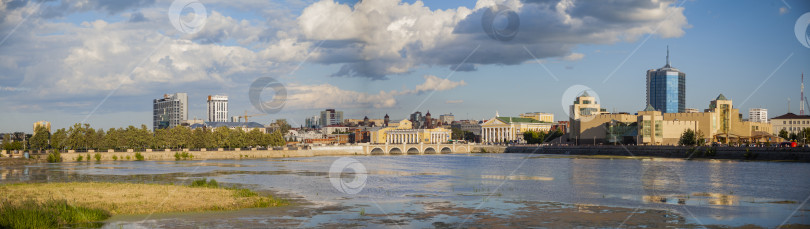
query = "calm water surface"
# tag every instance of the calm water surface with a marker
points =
(397, 189)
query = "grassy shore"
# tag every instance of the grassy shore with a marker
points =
(24, 205)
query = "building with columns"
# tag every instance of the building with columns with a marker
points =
(507, 129)
(404, 133)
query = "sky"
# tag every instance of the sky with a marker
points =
(103, 62)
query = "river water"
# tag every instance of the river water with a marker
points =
(468, 190)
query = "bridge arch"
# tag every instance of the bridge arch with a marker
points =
(446, 150)
(395, 150)
(377, 151)
(413, 150)
(430, 150)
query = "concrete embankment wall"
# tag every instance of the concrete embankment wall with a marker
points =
(488, 149)
(741, 153)
(209, 155)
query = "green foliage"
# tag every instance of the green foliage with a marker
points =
(59, 139)
(783, 134)
(115, 157)
(48, 214)
(138, 157)
(40, 139)
(54, 157)
(97, 156)
(205, 183)
(128, 158)
(80, 158)
(243, 192)
(16, 145)
(182, 156)
(688, 138)
(534, 137)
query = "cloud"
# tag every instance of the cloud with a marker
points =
(380, 38)
(325, 95)
(433, 83)
(574, 57)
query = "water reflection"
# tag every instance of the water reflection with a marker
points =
(714, 191)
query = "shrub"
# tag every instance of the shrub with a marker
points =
(54, 157)
(205, 183)
(97, 156)
(128, 158)
(138, 157)
(80, 158)
(176, 156)
(115, 157)
(243, 192)
(48, 214)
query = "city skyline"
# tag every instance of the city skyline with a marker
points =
(752, 57)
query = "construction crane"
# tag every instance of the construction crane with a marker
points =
(246, 116)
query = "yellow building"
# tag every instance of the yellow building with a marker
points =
(404, 133)
(501, 129)
(46, 124)
(539, 116)
(721, 122)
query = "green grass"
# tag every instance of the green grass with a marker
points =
(48, 214)
(205, 183)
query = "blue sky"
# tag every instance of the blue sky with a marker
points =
(60, 60)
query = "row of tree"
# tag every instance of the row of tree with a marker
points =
(83, 137)
(539, 137)
(802, 136)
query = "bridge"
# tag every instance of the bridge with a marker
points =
(395, 149)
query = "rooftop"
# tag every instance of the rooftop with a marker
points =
(792, 116)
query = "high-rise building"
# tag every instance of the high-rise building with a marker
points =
(666, 88)
(447, 119)
(170, 111)
(416, 119)
(758, 115)
(217, 108)
(331, 117)
(45, 124)
(312, 122)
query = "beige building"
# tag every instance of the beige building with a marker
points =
(404, 133)
(500, 129)
(790, 122)
(721, 122)
(45, 124)
(543, 117)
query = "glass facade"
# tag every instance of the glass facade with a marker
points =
(666, 90)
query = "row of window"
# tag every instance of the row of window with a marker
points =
(795, 122)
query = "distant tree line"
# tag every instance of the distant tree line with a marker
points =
(539, 137)
(84, 137)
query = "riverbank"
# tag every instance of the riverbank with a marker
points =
(686, 152)
(124, 199)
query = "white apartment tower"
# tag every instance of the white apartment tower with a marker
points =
(169, 111)
(758, 115)
(217, 108)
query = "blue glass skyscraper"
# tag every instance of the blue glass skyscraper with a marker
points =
(666, 88)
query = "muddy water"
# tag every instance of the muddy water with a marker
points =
(477, 190)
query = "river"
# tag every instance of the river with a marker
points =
(469, 190)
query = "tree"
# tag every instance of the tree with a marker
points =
(283, 126)
(236, 138)
(161, 139)
(6, 140)
(202, 138)
(534, 137)
(40, 139)
(688, 138)
(220, 136)
(254, 137)
(783, 134)
(276, 139)
(457, 133)
(76, 137)
(58, 139)
(793, 136)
